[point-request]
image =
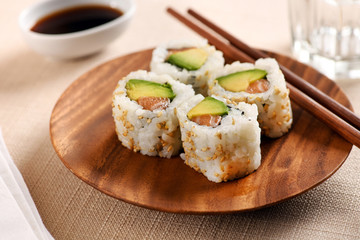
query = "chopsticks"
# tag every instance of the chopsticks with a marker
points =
(324, 108)
(291, 77)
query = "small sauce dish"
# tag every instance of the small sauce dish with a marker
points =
(78, 43)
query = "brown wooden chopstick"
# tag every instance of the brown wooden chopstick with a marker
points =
(333, 121)
(290, 76)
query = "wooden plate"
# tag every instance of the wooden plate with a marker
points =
(83, 134)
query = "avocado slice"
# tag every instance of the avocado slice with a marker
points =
(190, 59)
(239, 81)
(208, 105)
(141, 88)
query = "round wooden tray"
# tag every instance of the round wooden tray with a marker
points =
(83, 134)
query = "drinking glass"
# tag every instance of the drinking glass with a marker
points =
(326, 34)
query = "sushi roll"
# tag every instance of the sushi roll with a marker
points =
(261, 83)
(190, 62)
(143, 111)
(221, 141)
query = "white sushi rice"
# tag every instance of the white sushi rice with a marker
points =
(153, 133)
(275, 114)
(228, 151)
(197, 78)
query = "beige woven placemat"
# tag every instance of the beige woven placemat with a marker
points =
(29, 88)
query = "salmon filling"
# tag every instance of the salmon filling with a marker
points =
(153, 103)
(207, 120)
(259, 86)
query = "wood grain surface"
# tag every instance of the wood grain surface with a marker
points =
(83, 135)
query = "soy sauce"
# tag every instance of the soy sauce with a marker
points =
(76, 19)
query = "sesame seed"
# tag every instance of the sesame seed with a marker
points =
(218, 134)
(128, 124)
(274, 114)
(289, 118)
(119, 92)
(169, 148)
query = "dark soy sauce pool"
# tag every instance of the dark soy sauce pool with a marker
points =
(76, 19)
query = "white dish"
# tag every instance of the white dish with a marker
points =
(76, 44)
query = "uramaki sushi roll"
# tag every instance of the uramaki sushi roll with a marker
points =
(190, 62)
(221, 141)
(261, 83)
(143, 111)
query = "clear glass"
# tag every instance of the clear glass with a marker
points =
(326, 34)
